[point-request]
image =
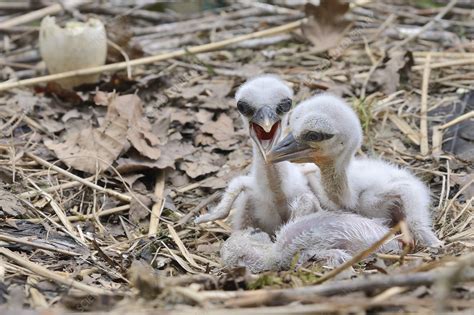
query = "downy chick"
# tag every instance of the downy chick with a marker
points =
(332, 237)
(327, 132)
(262, 197)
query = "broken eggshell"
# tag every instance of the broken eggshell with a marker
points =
(76, 46)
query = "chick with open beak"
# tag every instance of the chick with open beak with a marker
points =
(264, 122)
(262, 198)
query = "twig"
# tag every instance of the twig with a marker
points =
(404, 127)
(11, 239)
(424, 108)
(178, 259)
(284, 296)
(54, 276)
(151, 59)
(447, 64)
(436, 142)
(442, 54)
(387, 294)
(457, 120)
(437, 136)
(58, 210)
(196, 209)
(74, 218)
(34, 193)
(358, 257)
(182, 247)
(428, 25)
(369, 75)
(110, 192)
(124, 55)
(159, 203)
(38, 14)
(270, 7)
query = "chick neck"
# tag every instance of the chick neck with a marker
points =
(335, 183)
(268, 175)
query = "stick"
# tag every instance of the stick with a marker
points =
(182, 247)
(34, 193)
(31, 16)
(404, 127)
(11, 239)
(151, 59)
(424, 108)
(110, 192)
(38, 14)
(457, 120)
(56, 277)
(447, 64)
(283, 296)
(159, 204)
(428, 25)
(437, 137)
(74, 218)
(196, 209)
(60, 213)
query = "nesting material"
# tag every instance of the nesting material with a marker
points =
(76, 46)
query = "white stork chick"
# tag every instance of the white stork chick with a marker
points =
(262, 198)
(327, 132)
(331, 237)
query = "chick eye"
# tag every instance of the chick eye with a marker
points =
(244, 108)
(284, 106)
(317, 136)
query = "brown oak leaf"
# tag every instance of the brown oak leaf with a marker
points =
(92, 149)
(325, 23)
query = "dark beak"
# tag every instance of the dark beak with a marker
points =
(265, 129)
(289, 149)
(265, 117)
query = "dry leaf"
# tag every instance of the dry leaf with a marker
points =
(204, 116)
(189, 93)
(139, 128)
(325, 23)
(218, 91)
(10, 204)
(221, 129)
(183, 116)
(196, 169)
(211, 93)
(92, 149)
(161, 127)
(104, 98)
(387, 78)
(201, 163)
(172, 151)
(137, 212)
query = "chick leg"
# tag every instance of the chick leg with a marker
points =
(221, 211)
(402, 207)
